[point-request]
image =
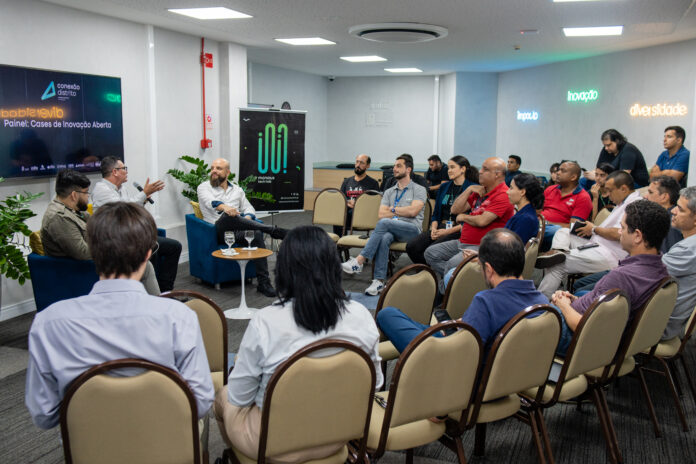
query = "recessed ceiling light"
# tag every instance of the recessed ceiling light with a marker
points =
(567, 1)
(363, 59)
(592, 31)
(403, 70)
(210, 13)
(307, 41)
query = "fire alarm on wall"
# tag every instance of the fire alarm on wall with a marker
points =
(207, 59)
(206, 143)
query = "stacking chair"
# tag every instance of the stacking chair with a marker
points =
(433, 377)
(643, 333)
(667, 353)
(467, 280)
(412, 290)
(147, 418)
(594, 344)
(365, 217)
(520, 358)
(601, 216)
(400, 247)
(312, 401)
(330, 209)
(213, 329)
(531, 249)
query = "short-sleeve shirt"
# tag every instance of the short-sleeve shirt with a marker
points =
(628, 159)
(524, 223)
(496, 201)
(437, 177)
(678, 162)
(562, 208)
(395, 196)
(354, 188)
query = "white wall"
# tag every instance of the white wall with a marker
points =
(381, 116)
(572, 130)
(475, 116)
(161, 88)
(304, 92)
(446, 115)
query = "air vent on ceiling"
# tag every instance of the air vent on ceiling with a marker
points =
(398, 32)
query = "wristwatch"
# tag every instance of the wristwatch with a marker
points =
(593, 230)
(393, 210)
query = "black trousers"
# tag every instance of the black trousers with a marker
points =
(338, 230)
(166, 262)
(415, 248)
(238, 225)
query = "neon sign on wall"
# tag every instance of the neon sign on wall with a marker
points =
(527, 116)
(584, 96)
(658, 110)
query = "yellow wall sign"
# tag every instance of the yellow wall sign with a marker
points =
(658, 110)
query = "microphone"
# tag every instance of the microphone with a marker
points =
(140, 189)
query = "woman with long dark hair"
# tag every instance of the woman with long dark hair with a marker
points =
(527, 195)
(311, 306)
(461, 175)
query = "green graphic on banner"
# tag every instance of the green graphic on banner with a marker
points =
(278, 148)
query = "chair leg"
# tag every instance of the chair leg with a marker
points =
(648, 400)
(536, 436)
(545, 436)
(460, 450)
(672, 369)
(596, 399)
(409, 456)
(610, 424)
(480, 440)
(671, 377)
(688, 377)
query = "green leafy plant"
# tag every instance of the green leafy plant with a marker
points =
(14, 212)
(201, 173)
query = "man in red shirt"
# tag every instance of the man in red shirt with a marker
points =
(479, 208)
(565, 202)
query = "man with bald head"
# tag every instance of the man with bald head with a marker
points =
(479, 209)
(225, 205)
(354, 186)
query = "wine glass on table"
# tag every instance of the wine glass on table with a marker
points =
(229, 240)
(249, 236)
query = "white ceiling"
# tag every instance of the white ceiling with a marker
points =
(482, 33)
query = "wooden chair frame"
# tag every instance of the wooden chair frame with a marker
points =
(450, 284)
(361, 451)
(119, 364)
(345, 206)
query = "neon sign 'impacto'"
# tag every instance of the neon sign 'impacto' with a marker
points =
(527, 116)
(658, 110)
(584, 96)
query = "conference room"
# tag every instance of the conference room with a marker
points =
(477, 79)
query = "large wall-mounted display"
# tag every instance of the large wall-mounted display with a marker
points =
(52, 120)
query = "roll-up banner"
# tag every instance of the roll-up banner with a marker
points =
(271, 147)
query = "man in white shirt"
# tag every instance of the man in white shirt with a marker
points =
(118, 319)
(594, 248)
(225, 205)
(111, 188)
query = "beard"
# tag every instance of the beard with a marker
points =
(400, 176)
(215, 181)
(359, 171)
(81, 205)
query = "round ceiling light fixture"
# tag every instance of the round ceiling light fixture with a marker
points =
(398, 32)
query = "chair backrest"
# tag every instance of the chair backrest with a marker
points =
(366, 210)
(213, 324)
(330, 208)
(650, 323)
(601, 216)
(597, 336)
(467, 280)
(312, 401)
(542, 227)
(531, 251)
(427, 214)
(412, 290)
(150, 417)
(521, 355)
(433, 377)
(196, 209)
(35, 243)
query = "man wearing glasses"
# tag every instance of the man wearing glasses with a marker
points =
(111, 188)
(64, 225)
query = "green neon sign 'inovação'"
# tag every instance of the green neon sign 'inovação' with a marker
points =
(584, 96)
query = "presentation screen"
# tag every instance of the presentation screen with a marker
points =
(52, 120)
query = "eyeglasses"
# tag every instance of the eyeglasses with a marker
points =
(81, 191)
(125, 168)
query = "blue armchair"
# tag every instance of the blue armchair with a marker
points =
(55, 279)
(202, 241)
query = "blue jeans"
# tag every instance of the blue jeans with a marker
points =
(566, 335)
(377, 247)
(549, 232)
(399, 328)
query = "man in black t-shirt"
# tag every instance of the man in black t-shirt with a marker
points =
(435, 175)
(623, 155)
(354, 186)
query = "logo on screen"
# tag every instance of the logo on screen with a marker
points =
(273, 146)
(50, 91)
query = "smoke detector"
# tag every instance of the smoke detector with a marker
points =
(398, 32)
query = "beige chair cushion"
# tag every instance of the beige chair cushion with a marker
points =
(413, 294)
(338, 458)
(404, 436)
(333, 236)
(464, 285)
(387, 351)
(213, 333)
(492, 411)
(667, 348)
(218, 379)
(570, 389)
(626, 367)
(329, 208)
(35, 243)
(398, 246)
(352, 241)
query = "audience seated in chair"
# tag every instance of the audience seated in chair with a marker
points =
(501, 256)
(353, 186)
(64, 225)
(116, 320)
(643, 228)
(225, 205)
(312, 306)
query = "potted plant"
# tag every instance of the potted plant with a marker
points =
(14, 211)
(201, 173)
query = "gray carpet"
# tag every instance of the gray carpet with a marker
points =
(575, 435)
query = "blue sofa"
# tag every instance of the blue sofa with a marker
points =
(202, 241)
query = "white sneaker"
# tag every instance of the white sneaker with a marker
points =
(375, 288)
(352, 266)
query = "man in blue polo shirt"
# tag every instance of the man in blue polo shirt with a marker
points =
(674, 161)
(501, 256)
